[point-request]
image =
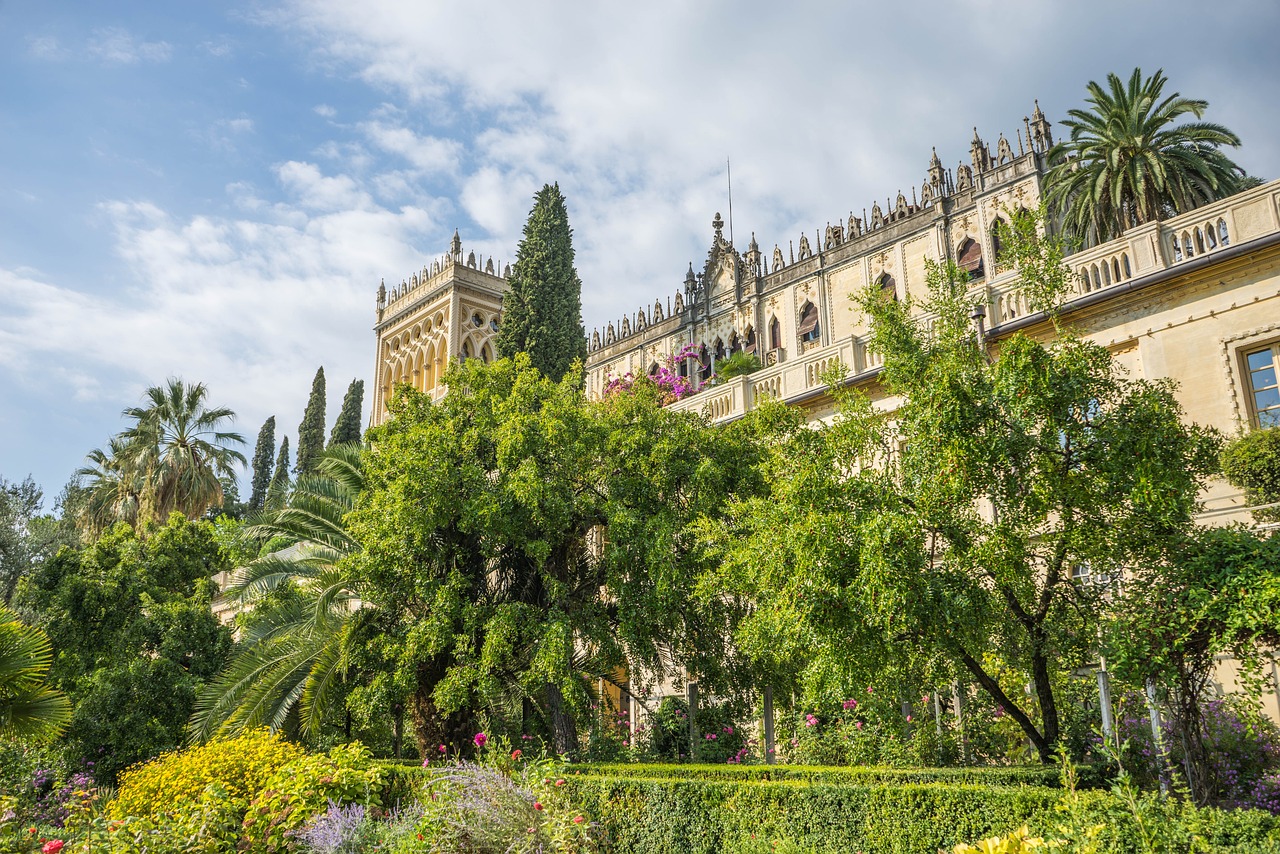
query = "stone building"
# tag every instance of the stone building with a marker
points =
(1195, 298)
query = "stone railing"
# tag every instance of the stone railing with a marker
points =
(782, 381)
(1154, 247)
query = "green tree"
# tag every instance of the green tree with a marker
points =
(27, 536)
(311, 430)
(951, 531)
(1215, 593)
(1251, 462)
(484, 556)
(346, 430)
(110, 489)
(133, 635)
(295, 649)
(262, 459)
(178, 449)
(1127, 162)
(542, 307)
(29, 708)
(278, 489)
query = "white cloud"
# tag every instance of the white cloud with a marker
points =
(117, 46)
(324, 110)
(45, 47)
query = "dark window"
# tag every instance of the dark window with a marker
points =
(970, 258)
(809, 329)
(888, 287)
(775, 334)
(750, 340)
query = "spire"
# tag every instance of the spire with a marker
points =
(1039, 132)
(455, 246)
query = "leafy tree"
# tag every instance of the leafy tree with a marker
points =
(112, 489)
(1251, 462)
(1127, 162)
(311, 430)
(278, 490)
(1216, 592)
(29, 708)
(295, 649)
(133, 637)
(951, 531)
(346, 430)
(262, 459)
(27, 536)
(542, 308)
(483, 550)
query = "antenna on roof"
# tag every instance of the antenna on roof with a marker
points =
(729, 175)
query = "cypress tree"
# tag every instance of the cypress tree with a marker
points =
(262, 454)
(542, 308)
(311, 430)
(346, 429)
(278, 491)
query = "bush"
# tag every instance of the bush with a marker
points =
(1251, 462)
(719, 737)
(1018, 775)
(240, 766)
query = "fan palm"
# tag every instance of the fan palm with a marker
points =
(294, 652)
(178, 445)
(113, 491)
(28, 707)
(1127, 163)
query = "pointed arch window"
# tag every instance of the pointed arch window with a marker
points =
(888, 287)
(809, 329)
(719, 351)
(775, 333)
(969, 257)
(749, 342)
(704, 363)
(997, 245)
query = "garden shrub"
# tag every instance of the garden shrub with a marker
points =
(1000, 775)
(301, 790)
(718, 735)
(240, 766)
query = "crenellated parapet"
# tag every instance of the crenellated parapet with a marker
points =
(435, 275)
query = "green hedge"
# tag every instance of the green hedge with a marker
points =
(655, 816)
(1019, 775)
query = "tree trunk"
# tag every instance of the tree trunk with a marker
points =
(1048, 705)
(564, 733)
(1042, 745)
(397, 729)
(432, 727)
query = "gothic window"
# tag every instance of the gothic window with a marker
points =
(484, 354)
(476, 320)
(735, 344)
(720, 353)
(1263, 366)
(653, 369)
(704, 364)
(888, 287)
(809, 329)
(997, 246)
(969, 257)
(466, 349)
(775, 334)
(493, 324)
(749, 345)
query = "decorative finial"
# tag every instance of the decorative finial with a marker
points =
(455, 245)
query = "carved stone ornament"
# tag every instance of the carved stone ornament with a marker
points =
(778, 263)
(805, 252)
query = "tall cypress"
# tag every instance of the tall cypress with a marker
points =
(346, 429)
(542, 308)
(278, 491)
(262, 455)
(311, 430)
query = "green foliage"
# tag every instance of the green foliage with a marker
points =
(133, 637)
(1251, 462)
(346, 430)
(26, 536)
(999, 775)
(542, 306)
(262, 459)
(311, 430)
(945, 540)
(737, 365)
(1126, 162)
(475, 530)
(670, 737)
(29, 708)
(278, 489)
(300, 790)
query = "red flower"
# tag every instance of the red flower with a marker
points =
(537, 805)
(559, 782)
(516, 754)
(577, 819)
(52, 847)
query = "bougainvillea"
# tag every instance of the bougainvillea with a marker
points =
(667, 377)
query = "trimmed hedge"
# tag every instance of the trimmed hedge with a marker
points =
(657, 816)
(1017, 775)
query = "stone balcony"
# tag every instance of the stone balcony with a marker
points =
(1140, 254)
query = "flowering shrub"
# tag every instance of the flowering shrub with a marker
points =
(667, 378)
(480, 809)
(718, 737)
(241, 766)
(1242, 746)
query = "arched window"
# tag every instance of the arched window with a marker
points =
(997, 246)
(749, 345)
(720, 352)
(775, 334)
(466, 349)
(969, 257)
(809, 330)
(484, 354)
(888, 287)
(704, 363)
(653, 369)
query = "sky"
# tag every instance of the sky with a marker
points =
(213, 191)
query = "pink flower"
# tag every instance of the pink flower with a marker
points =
(857, 724)
(577, 819)
(516, 754)
(908, 718)
(443, 748)
(559, 783)
(53, 846)
(481, 739)
(729, 730)
(869, 691)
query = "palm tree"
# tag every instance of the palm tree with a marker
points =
(177, 445)
(113, 491)
(295, 650)
(1126, 163)
(28, 707)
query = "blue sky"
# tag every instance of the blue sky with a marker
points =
(213, 191)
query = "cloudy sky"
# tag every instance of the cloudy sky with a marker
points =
(213, 190)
